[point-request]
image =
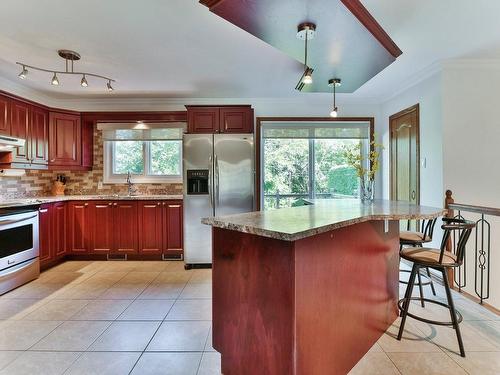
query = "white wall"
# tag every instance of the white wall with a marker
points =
(428, 95)
(471, 165)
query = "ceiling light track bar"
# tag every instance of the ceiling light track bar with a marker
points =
(65, 72)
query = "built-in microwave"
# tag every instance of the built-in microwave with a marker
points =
(19, 253)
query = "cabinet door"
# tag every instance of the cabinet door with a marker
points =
(203, 120)
(102, 226)
(59, 219)
(39, 135)
(65, 139)
(125, 227)
(4, 115)
(79, 227)
(236, 120)
(173, 241)
(150, 227)
(20, 122)
(45, 233)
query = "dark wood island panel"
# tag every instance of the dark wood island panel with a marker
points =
(311, 306)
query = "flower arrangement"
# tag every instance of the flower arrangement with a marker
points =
(366, 166)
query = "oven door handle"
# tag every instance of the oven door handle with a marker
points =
(7, 222)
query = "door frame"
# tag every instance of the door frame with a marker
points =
(414, 108)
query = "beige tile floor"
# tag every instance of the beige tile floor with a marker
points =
(155, 318)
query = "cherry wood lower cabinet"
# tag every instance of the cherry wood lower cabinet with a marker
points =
(79, 231)
(161, 228)
(110, 227)
(52, 242)
(45, 231)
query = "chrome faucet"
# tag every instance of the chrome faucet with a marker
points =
(130, 185)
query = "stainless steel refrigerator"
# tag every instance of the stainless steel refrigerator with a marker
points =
(218, 180)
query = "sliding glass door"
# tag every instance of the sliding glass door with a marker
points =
(305, 161)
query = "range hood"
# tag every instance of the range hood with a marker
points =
(8, 143)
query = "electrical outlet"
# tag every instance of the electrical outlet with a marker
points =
(99, 185)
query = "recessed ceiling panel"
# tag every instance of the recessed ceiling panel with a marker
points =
(348, 44)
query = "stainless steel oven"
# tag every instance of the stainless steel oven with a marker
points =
(18, 247)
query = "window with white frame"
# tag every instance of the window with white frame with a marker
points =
(151, 153)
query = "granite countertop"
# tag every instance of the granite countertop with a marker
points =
(295, 223)
(63, 198)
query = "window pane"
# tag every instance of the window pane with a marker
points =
(333, 177)
(166, 157)
(128, 156)
(286, 171)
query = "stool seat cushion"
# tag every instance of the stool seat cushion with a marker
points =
(413, 237)
(428, 256)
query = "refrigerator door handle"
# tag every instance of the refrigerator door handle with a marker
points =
(210, 185)
(216, 180)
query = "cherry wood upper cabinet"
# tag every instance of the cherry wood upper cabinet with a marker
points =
(236, 120)
(39, 135)
(173, 220)
(79, 227)
(20, 128)
(220, 119)
(4, 115)
(45, 233)
(65, 140)
(203, 119)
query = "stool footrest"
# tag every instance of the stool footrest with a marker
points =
(428, 282)
(429, 321)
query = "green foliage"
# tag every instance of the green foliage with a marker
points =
(128, 156)
(165, 157)
(343, 180)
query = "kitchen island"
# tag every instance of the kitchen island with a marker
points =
(306, 290)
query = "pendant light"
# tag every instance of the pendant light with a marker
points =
(69, 57)
(335, 82)
(305, 32)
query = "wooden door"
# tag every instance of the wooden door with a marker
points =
(79, 232)
(39, 135)
(102, 226)
(236, 120)
(64, 139)
(4, 115)
(125, 227)
(150, 227)
(45, 233)
(404, 150)
(20, 123)
(203, 120)
(59, 220)
(173, 239)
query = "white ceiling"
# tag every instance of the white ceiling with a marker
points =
(177, 48)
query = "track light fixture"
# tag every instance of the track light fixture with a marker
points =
(70, 57)
(84, 82)
(55, 80)
(306, 32)
(23, 73)
(335, 82)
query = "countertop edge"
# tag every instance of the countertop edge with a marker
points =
(214, 222)
(68, 198)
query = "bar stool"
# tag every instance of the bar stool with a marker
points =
(418, 239)
(440, 260)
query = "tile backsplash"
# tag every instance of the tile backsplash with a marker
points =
(36, 183)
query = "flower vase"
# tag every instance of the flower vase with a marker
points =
(367, 191)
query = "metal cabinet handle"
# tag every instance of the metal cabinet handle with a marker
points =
(210, 187)
(115, 204)
(42, 210)
(216, 180)
(86, 204)
(110, 204)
